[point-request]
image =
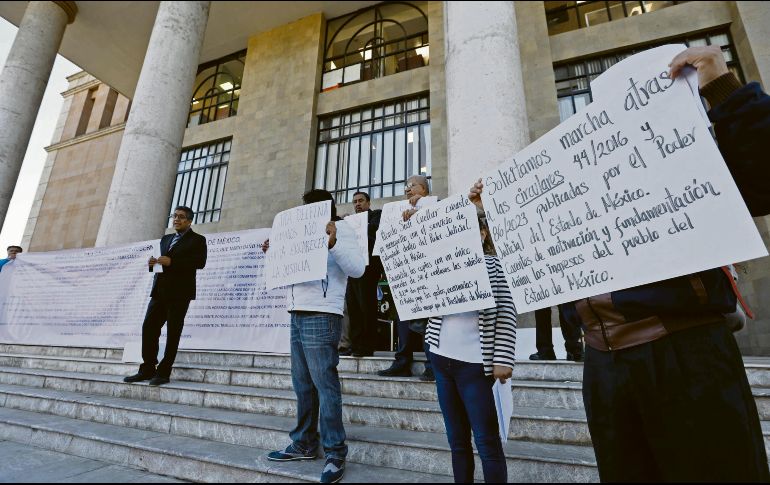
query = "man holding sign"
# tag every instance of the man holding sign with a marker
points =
(316, 308)
(664, 387)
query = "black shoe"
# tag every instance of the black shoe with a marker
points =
(396, 371)
(539, 356)
(427, 376)
(158, 381)
(574, 357)
(345, 352)
(138, 377)
(362, 353)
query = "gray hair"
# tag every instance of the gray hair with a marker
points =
(420, 180)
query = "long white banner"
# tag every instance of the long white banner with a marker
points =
(98, 297)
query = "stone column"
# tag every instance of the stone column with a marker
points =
(486, 108)
(23, 83)
(140, 195)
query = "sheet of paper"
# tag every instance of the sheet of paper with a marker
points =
(299, 245)
(393, 212)
(435, 262)
(360, 224)
(156, 268)
(504, 406)
(630, 190)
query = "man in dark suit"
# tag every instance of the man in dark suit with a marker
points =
(361, 297)
(182, 254)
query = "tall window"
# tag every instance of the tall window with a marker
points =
(217, 89)
(563, 16)
(573, 79)
(374, 149)
(200, 180)
(375, 42)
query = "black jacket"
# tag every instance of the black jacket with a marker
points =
(177, 282)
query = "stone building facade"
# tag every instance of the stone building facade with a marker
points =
(289, 97)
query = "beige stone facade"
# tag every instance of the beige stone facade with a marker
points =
(274, 134)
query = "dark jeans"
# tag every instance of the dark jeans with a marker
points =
(408, 341)
(544, 336)
(361, 299)
(160, 311)
(467, 403)
(314, 359)
(677, 409)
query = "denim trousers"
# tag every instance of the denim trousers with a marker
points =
(314, 359)
(467, 403)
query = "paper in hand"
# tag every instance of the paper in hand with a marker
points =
(504, 406)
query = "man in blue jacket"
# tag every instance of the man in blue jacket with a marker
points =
(664, 386)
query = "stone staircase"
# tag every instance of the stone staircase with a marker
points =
(223, 411)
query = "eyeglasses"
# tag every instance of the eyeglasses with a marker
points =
(179, 216)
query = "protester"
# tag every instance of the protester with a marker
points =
(544, 337)
(664, 386)
(469, 351)
(361, 297)
(12, 252)
(182, 254)
(316, 314)
(410, 332)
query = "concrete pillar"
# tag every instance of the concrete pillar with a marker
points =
(23, 82)
(486, 108)
(138, 202)
(750, 37)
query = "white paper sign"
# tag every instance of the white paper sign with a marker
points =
(156, 268)
(393, 213)
(360, 224)
(435, 262)
(628, 191)
(299, 245)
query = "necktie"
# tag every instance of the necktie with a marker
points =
(174, 240)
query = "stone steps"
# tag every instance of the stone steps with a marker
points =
(534, 423)
(405, 450)
(177, 456)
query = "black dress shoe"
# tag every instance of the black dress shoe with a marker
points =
(138, 377)
(539, 356)
(574, 357)
(357, 353)
(427, 376)
(345, 352)
(396, 371)
(158, 380)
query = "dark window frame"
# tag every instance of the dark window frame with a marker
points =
(347, 131)
(210, 101)
(379, 50)
(187, 177)
(552, 13)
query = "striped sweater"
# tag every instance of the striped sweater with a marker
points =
(497, 325)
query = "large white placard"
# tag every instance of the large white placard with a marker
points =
(393, 213)
(299, 245)
(99, 296)
(628, 191)
(435, 261)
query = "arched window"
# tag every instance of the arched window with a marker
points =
(375, 42)
(217, 89)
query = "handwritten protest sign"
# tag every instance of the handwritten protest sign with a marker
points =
(628, 191)
(298, 245)
(435, 262)
(360, 224)
(392, 213)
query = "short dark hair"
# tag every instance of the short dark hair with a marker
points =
(320, 195)
(17, 247)
(366, 196)
(189, 214)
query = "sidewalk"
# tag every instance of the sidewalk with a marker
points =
(23, 463)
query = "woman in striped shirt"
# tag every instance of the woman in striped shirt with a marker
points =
(468, 352)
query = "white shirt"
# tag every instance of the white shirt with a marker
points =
(459, 338)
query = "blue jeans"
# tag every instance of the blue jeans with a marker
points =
(466, 400)
(314, 359)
